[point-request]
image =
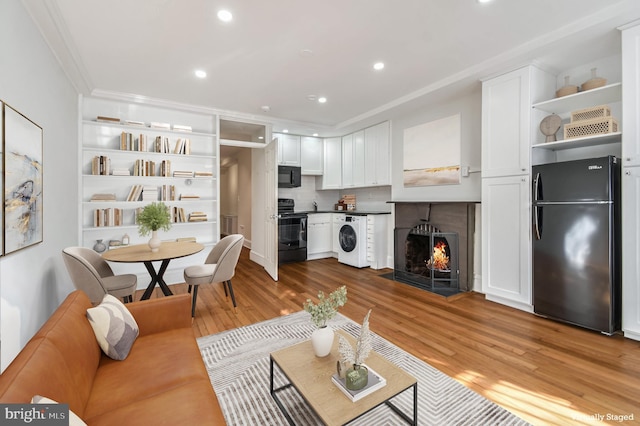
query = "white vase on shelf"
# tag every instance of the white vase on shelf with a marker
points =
(322, 341)
(154, 242)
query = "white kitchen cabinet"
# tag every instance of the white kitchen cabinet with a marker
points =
(631, 182)
(377, 155)
(311, 155)
(337, 220)
(193, 190)
(507, 128)
(332, 176)
(377, 225)
(506, 241)
(347, 161)
(288, 149)
(319, 241)
(353, 160)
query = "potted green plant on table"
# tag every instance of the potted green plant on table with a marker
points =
(321, 312)
(357, 374)
(154, 216)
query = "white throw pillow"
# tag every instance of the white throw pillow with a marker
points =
(114, 327)
(74, 420)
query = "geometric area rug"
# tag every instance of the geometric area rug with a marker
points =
(238, 364)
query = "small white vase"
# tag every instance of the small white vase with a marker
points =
(322, 341)
(154, 242)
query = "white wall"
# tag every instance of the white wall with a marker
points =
(469, 107)
(244, 194)
(34, 281)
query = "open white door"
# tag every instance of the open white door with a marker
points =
(271, 209)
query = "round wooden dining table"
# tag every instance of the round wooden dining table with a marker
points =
(142, 253)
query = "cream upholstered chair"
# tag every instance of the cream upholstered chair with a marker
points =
(219, 267)
(93, 275)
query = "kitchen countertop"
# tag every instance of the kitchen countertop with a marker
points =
(350, 213)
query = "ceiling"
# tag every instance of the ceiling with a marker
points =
(279, 53)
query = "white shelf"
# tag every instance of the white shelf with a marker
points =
(107, 152)
(134, 226)
(608, 138)
(600, 96)
(130, 128)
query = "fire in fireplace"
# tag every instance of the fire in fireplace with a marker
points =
(429, 259)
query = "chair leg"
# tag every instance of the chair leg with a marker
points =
(189, 289)
(233, 298)
(224, 286)
(193, 301)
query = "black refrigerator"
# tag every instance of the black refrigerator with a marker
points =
(576, 242)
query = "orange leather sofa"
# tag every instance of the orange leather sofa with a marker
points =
(163, 381)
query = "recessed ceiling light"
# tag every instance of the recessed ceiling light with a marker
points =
(201, 73)
(306, 52)
(484, 1)
(285, 130)
(312, 97)
(265, 108)
(225, 15)
(322, 99)
(260, 137)
(315, 134)
(378, 66)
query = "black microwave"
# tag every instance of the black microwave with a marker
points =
(289, 177)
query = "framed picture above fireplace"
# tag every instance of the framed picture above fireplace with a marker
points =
(431, 153)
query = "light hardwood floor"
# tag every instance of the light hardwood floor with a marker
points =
(545, 372)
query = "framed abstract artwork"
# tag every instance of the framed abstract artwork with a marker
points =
(432, 153)
(22, 179)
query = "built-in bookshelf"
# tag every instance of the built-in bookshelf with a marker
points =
(132, 155)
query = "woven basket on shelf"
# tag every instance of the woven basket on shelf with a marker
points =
(600, 111)
(592, 127)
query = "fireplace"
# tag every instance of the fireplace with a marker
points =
(433, 245)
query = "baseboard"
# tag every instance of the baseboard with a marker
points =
(629, 334)
(257, 258)
(511, 303)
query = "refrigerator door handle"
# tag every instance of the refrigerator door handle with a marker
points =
(537, 219)
(536, 187)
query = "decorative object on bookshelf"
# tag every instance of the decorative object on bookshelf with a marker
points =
(549, 126)
(324, 310)
(23, 197)
(99, 246)
(357, 375)
(567, 89)
(153, 217)
(125, 240)
(594, 82)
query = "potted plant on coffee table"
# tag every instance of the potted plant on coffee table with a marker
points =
(153, 217)
(321, 312)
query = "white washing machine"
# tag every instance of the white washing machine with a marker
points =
(352, 241)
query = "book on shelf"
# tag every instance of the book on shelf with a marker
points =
(134, 122)
(374, 382)
(197, 217)
(103, 197)
(162, 145)
(165, 168)
(134, 193)
(144, 168)
(168, 193)
(106, 119)
(181, 128)
(177, 215)
(150, 193)
(158, 125)
(182, 146)
(121, 172)
(187, 197)
(100, 165)
(183, 173)
(186, 240)
(203, 174)
(107, 217)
